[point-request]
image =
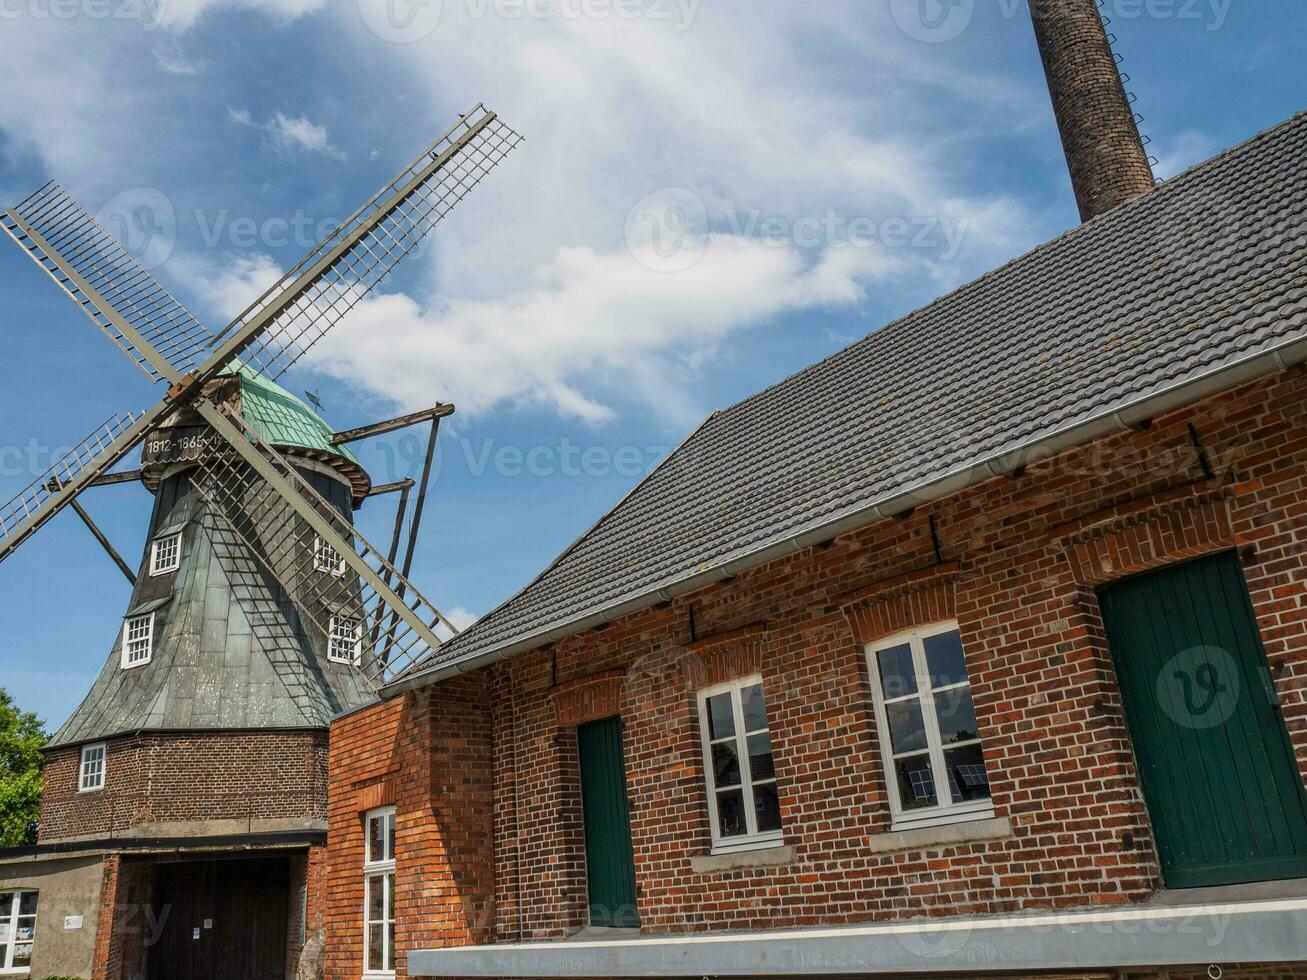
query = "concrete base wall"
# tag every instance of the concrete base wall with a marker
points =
(66, 887)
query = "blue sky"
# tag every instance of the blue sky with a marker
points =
(712, 194)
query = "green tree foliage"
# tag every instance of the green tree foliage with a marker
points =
(21, 736)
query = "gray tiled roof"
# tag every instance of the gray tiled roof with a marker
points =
(1205, 271)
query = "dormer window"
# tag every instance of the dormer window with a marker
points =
(326, 558)
(345, 640)
(166, 554)
(138, 640)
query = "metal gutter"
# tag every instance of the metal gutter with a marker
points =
(272, 839)
(1193, 935)
(1005, 462)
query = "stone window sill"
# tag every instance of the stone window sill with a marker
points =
(942, 835)
(768, 857)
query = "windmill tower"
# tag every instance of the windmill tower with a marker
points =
(191, 780)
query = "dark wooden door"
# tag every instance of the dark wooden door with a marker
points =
(226, 920)
(609, 857)
(1224, 795)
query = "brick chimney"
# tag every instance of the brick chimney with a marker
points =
(1103, 149)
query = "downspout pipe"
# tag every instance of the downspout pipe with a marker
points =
(1005, 462)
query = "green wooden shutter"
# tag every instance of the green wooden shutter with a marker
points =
(609, 857)
(1224, 794)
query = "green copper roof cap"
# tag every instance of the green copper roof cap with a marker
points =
(288, 423)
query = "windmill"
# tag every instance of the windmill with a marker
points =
(197, 760)
(264, 500)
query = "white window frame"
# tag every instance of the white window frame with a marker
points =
(166, 553)
(334, 635)
(322, 558)
(377, 870)
(101, 773)
(147, 638)
(9, 939)
(753, 840)
(941, 813)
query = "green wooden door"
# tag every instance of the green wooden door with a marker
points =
(609, 858)
(1224, 795)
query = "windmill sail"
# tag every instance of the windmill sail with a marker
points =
(138, 314)
(24, 513)
(296, 312)
(360, 605)
(167, 342)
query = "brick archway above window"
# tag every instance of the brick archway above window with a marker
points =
(380, 793)
(927, 595)
(1148, 533)
(588, 699)
(724, 656)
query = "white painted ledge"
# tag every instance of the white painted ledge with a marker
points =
(1272, 931)
(767, 857)
(943, 835)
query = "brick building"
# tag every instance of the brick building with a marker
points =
(183, 819)
(978, 647)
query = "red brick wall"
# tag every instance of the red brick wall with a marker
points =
(429, 755)
(196, 776)
(125, 921)
(1021, 556)
(307, 915)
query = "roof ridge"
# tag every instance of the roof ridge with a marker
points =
(664, 528)
(1165, 187)
(599, 522)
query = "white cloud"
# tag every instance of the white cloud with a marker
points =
(594, 327)
(462, 618)
(171, 59)
(539, 303)
(183, 15)
(287, 134)
(518, 302)
(1183, 151)
(300, 133)
(228, 288)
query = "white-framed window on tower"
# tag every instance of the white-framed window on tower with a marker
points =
(930, 740)
(138, 640)
(166, 554)
(17, 931)
(91, 774)
(379, 893)
(326, 558)
(345, 639)
(743, 804)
